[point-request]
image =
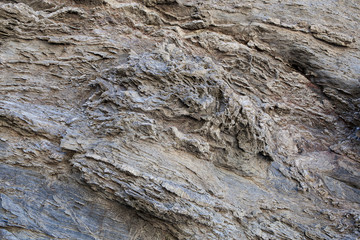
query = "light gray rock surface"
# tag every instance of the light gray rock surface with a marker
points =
(179, 119)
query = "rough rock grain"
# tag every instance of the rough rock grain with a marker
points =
(178, 119)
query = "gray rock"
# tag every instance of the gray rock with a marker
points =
(180, 119)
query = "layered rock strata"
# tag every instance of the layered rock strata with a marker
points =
(178, 119)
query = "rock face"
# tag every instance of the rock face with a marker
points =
(179, 119)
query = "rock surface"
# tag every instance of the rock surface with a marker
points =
(178, 119)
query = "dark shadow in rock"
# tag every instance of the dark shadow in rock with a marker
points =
(90, 2)
(328, 83)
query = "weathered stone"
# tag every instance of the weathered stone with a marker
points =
(177, 119)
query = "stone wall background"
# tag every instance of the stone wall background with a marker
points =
(176, 119)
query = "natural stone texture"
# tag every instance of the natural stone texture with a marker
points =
(164, 119)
